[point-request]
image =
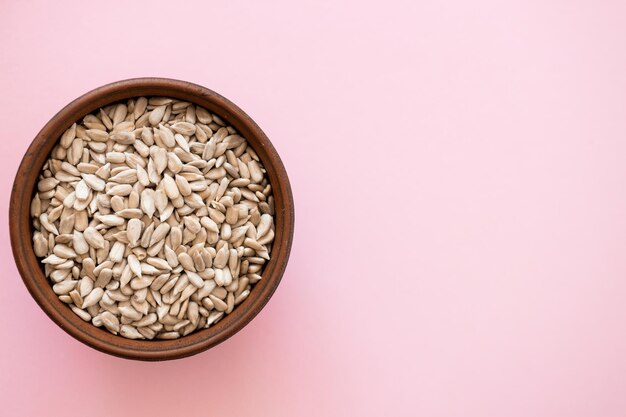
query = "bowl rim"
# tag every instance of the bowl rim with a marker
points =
(29, 267)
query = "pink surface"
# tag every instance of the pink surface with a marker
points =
(460, 187)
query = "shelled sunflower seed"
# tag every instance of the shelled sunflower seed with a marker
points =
(153, 217)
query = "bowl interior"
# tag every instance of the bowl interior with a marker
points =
(32, 270)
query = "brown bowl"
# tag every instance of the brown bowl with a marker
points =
(31, 269)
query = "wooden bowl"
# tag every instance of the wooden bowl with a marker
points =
(32, 271)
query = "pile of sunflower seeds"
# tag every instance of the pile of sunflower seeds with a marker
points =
(153, 218)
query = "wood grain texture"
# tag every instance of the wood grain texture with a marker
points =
(31, 269)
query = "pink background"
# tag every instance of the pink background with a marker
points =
(460, 187)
